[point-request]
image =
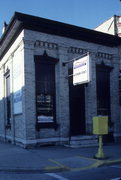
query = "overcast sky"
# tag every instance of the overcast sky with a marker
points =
(84, 13)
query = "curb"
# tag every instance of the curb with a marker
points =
(36, 170)
(111, 162)
(52, 169)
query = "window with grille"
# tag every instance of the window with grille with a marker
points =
(8, 98)
(45, 90)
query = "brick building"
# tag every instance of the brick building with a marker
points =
(38, 101)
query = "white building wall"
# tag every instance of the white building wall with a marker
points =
(14, 61)
(111, 26)
(107, 26)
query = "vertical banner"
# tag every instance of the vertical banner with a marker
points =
(82, 70)
(17, 83)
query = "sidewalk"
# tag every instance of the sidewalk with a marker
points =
(54, 158)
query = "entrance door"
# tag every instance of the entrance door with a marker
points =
(103, 96)
(77, 109)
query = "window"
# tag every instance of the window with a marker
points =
(103, 90)
(8, 99)
(45, 108)
(45, 90)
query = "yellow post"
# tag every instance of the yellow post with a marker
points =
(100, 153)
(100, 127)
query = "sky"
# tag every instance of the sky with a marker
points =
(83, 13)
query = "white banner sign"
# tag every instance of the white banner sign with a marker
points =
(81, 70)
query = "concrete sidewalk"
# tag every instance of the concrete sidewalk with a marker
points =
(54, 158)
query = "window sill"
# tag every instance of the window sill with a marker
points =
(46, 125)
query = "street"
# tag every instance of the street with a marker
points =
(103, 173)
(59, 163)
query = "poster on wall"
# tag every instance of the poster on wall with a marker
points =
(82, 70)
(17, 102)
(44, 108)
(17, 84)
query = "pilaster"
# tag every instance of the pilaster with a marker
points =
(90, 96)
(29, 89)
(62, 92)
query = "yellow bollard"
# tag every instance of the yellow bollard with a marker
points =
(100, 127)
(100, 153)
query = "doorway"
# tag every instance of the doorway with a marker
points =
(103, 97)
(77, 109)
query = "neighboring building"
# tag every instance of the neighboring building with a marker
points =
(38, 102)
(111, 26)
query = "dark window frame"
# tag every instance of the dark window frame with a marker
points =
(106, 110)
(46, 60)
(8, 98)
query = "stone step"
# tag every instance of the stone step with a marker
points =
(83, 141)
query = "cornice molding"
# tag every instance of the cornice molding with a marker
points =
(45, 44)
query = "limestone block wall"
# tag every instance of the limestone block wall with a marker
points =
(65, 50)
(31, 43)
(13, 61)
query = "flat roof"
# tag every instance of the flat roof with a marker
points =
(56, 28)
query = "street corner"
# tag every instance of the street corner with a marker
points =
(75, 163)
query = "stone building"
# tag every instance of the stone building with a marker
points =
(38, 102)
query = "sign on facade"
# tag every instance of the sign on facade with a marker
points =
(17, 83)
(82, 70)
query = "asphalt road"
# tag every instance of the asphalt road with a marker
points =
(102, 173)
